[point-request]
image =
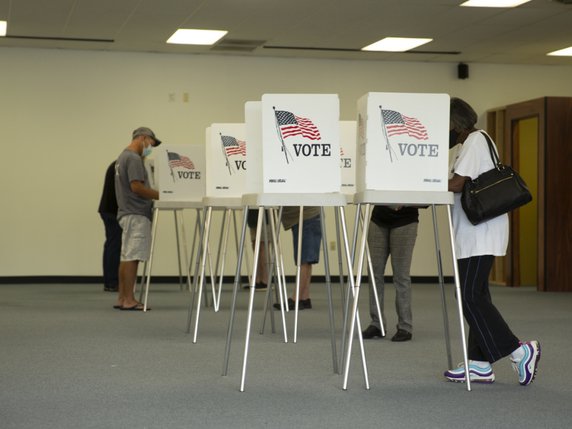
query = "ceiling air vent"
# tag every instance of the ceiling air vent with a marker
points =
(237, 45)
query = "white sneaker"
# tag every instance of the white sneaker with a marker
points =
(477, 374)
(527, 366)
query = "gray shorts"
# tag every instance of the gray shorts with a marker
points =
(136, 238)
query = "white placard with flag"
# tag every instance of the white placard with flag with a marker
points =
(181, 172)
(348, 156)
(226, 160)
(402, 142)
(300, 139)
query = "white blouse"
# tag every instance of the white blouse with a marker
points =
(486, 238)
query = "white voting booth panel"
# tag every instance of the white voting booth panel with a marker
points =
(151, 175)
(181, 172)
(226, 160)
(402, 142)
(300, 143)
(348, 156)
(253, 124)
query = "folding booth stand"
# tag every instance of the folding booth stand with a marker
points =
(294, 162)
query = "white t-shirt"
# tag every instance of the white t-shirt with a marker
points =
(486, 238)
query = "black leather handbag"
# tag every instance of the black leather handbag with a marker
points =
(494, 192)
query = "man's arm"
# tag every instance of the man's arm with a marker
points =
(140, 189)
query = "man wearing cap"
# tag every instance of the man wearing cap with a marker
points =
(135, 207)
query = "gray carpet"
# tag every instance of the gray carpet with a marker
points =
(68, 360)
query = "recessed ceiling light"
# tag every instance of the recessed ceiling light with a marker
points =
(395, 44)
(494, 3)
(566, 52)
(3, 26)
(186, 36)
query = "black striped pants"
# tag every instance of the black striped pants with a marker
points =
(490, 338)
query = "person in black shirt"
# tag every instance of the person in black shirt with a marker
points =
(392, 231)
(112, 246)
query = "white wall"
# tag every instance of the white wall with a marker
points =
(64, 115)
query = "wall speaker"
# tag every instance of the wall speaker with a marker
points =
(463, 71)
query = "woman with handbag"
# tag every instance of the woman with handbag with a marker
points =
(490, 338)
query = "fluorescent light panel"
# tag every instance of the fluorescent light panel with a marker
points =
(494, 3)
(396, 44)
(187, 36)
(566, 52)
(3, 26)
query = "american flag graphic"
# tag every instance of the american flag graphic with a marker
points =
(233, 146)
(176, 160)
(292, 125)
(396, 124)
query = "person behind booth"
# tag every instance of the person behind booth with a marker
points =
(261, 269)
(490, 338)
(311, 240)
(112, 246)
(135, 207)
(392, 232)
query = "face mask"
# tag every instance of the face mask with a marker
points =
(453, 136)
(147, 151)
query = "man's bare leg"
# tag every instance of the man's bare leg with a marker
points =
(127, 278)
(305, 279)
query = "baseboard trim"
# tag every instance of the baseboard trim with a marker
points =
(175, 279)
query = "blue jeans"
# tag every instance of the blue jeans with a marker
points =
(311, 240)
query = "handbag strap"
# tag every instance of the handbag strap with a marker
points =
(493, 152)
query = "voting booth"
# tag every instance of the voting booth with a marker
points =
(179, 176)
(402, 159)
(226, 160)
(226, 149)
(296, 155)
(402, 142)
(299, 137)
(348, 157)
(181, 172)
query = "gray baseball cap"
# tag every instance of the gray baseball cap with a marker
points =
(144, 131)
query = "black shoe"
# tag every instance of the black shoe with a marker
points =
(371, 332)
(110, 288)
(257, 286)
(302, 304)
(401, 335)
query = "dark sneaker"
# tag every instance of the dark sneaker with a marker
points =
(303, 304)
(257, 286)
(527, 366)
(371, 332)
(401, 335)
(477, 374)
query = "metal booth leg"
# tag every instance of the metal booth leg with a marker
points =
(237, 281)
(251, 297)
(298, 267)
(202, 273)
(150, 263)
(442, 288)
(459, 300)
(329, 291)
(354, 313)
